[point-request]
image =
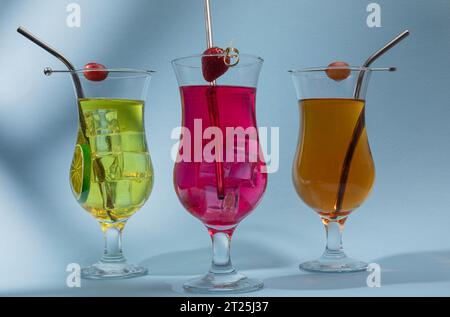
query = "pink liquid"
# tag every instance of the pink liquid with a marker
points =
(242, 183)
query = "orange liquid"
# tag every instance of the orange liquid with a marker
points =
(325, 136)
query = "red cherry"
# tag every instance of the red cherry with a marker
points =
(213, 66)
(338, 74)
(95, 72)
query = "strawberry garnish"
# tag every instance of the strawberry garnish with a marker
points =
(95, 72)
(340, 73)
(214, 66)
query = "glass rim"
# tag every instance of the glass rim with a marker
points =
(351, 68)
(257, 59)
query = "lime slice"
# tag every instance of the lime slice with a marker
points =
(80, 172)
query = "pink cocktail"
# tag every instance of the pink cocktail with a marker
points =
(220, 174)
(244, 180)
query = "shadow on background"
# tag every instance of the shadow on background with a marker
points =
(131, 287)
(248, 256)
(421, 267)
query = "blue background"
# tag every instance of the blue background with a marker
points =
(403, 226)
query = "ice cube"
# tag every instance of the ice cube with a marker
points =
(106, 144)
(242, 172)
(115, 169)
(101, 122)
(231, 200)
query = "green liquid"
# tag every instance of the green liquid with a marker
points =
(121, 173)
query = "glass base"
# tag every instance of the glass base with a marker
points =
(111, 271)
(223, 283)
(327, 265)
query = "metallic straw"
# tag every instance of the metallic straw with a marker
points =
(213, 107)
(208, 25)
(360, 123)
(98, 167)
(61, 57)
(374, 57)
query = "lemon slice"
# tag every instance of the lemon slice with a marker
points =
(80, 172)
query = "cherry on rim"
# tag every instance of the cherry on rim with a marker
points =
(95, 72)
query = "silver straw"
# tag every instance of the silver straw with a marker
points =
(98, 168)
(374, 57)
(360, 123)
(208, 25)
(212, 105)
(61, 57)
(69, 65)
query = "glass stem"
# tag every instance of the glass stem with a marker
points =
(221, 261)
(113, 246)
(334, 247)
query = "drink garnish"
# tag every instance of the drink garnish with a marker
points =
(231, 58)
(338, 71)
(213, 63)
(216, 62)
(95, 72)
(80, 172)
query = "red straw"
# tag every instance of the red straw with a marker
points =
(213, 107)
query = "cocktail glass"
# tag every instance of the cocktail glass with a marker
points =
(111, 173)
(221, 178)
(333, 170)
